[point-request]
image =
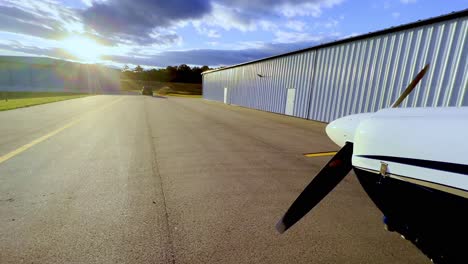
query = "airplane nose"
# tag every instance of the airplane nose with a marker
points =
(343, 129)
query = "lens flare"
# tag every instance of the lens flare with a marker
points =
(83, 48)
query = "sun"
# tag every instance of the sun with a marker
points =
(83, 48)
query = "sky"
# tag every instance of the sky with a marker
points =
(154, 33)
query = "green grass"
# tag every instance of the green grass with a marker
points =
(13, 100)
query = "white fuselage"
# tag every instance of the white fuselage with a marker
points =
(426, 146)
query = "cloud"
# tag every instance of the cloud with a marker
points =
(287, 8)
(87, 2)
(141, 28)
(408, 1)
(150, 22)
(45, 19)
(305, 8)
(246, 15)
(212, 43)
(386, 5)
(108, 22)
(211, 33)
(41, 19)
(395, 14)
(136, 21)
(326, 24)
(33, 50)
(210, 57)
(292, 37)
(296, 25)
(229, 18)
(267, 25)
(215, 57)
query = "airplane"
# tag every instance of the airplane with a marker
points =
(413, 164)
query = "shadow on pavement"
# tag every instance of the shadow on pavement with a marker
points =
(160, 97)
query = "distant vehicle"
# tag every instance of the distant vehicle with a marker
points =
(147, 91)
(413, 164)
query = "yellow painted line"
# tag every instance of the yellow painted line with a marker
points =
(320, 154)
(51, 134)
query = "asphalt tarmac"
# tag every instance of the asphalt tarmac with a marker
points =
(138, 179)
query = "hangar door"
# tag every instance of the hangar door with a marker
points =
(225, 95)
(290, 97)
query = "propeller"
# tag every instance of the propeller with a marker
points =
(325, 181)
(411, 86)
(332, 174)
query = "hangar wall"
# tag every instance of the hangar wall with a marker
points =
(361, 74)
(49, 75)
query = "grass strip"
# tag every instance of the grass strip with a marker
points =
(14, 100)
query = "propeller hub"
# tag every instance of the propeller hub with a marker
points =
(343, 129)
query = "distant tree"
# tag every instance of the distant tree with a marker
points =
(138, 69)
(182, 73)
(171, 73)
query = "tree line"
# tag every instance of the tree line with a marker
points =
(182, 73)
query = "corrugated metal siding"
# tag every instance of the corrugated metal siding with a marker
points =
(58, 77)
(213, 86)
(267, 93)
(355, 77)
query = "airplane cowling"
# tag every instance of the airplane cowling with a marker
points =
(343, 129)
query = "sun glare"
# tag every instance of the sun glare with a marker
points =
(83, 48)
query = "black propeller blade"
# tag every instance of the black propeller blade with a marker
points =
(325, 181)
(411, 86)
(332, 174)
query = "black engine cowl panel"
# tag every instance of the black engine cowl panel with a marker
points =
(434, 221)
